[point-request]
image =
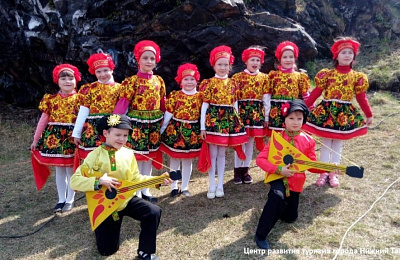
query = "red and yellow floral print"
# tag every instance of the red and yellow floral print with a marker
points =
(288, 85)
(60, 109)
(341, 86)
(219, 91)
(185, 107)
(100, 98)
(144, 94)
(251, 86)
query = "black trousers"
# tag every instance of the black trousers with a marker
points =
(108, 232)
(277, 207)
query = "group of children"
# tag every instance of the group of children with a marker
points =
(198, 121)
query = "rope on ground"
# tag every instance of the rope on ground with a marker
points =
(40, 228)
(362, 216)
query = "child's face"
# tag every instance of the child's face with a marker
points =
(67, 84)
(116, 137)
(345, 57)
(294, 121)
(147, 61)
(287, 59)
(253, 64)
(189, 83)
(222, 67)
(103, 74)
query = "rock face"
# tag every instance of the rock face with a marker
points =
(36, 35)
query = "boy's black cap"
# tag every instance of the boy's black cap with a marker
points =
(114, 120)
(297, 105)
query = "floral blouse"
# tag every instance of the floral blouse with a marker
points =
(288, 85)
(144, 94)
(100, 98)
(219, 91)
(251, 86)
(61, 109)
(183, 106)
(341, 86)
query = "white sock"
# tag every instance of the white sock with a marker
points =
(70, 192)
(337, 146)
(221, 166)
(61, 182)
(325, 150)
(147, 169)
(211, 172)
(186, 173)
(248, 150)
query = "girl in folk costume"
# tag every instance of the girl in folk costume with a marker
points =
(285, 83)
(99, 99)
(180, 130)
(253, 108)
(146, 94)
(52, 143)
(220, 122)
(335, 118)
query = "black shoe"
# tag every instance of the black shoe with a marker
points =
(263, 244)
(174, 193)
(149, 198)
(186, 193)
(144, 256)
(58, 207)
(67, 207)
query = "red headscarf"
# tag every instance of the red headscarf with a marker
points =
(59, 68)
(146, 45)
(342, 44)
(219, 52)
(284, 46)
(100, 60)
(185, 70)
(253, 52)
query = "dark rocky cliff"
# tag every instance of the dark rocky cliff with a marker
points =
(35, 35)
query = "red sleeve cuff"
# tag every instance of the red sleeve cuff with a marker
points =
(364, 104)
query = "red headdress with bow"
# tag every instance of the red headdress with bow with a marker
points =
(99, 60)
(68, 67)
(284, 46)
(185, 70)
(219, 52)
(342, 44)
(253, 52)
(146, 45)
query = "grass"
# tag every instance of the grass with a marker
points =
(199, 228)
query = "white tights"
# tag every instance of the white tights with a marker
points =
(63, 176)
(186, 172)
(145, 168)
(217, 154)
(331, 150)
(248, 150)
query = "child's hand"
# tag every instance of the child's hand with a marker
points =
(77, 141)
(168, 180)
(33, 146)
(286, 172)
(369, 120)
(203, 134)
(108, 181)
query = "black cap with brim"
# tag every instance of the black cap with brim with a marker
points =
(298, 105)
(114, 120)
